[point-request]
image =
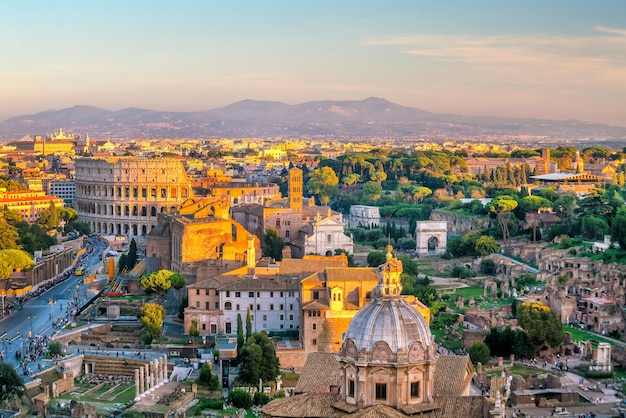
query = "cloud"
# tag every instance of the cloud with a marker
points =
(531, 59)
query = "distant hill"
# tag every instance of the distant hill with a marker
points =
(371, 117)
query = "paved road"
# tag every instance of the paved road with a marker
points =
(39, 315)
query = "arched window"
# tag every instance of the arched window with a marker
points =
(228, 306)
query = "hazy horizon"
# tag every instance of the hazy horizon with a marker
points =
(548, 60)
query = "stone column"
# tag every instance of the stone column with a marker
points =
(137, 385)
(142, 381)
(167, 376)
(147, 368)
(155, 376)
(157, 372)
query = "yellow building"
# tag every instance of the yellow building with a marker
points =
(29, 203)
(330, 300)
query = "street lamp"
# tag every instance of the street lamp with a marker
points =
(30, 333)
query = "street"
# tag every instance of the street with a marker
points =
(38, 316)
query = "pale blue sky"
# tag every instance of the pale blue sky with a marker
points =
(547, 59)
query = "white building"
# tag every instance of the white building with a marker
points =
(325, 235)
(366, 216)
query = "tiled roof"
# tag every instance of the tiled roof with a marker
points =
(352, 273)
(297, 265)
(315, 305)
(460, 406)
(451, 375)
(312, 380)
(308, 405)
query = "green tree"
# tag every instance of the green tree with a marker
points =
(161, 281)
(8, 236)
(132, 414)
(540, 323)
(121, 263)
(260, 398)
(479, 352)
(49, 218)
(372, 190)
(618, 227)
(487, 266)
(207, 378)
(151, 316)
(10, 261)
(67, 214)
(486, 245)
(80, 226)
(323, 184)
(193, 328)
(11, 383)
(593, 227)
(502, 206)
(240, 398)
(131, 258)
(376, 258)
(272, 245)
(55, 348)
(248, 324)
(258, 359)
(240, 338)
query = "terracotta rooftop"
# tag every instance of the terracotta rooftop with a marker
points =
(308, 405)
(316, 265)
(321, 372)
(452, 375)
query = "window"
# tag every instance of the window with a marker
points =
(271, 307)
(228, 306)
(265, 317)
(237, 294)
(281, 294)
(250, 294)
(278, 223)
(271, 294)
(381, 391)
(228, 293)
(282, 317)
(237, 306)
(258, 294)
(258, 307)
(314, 327)
(197, 292)
(217, 293)
(328, 238)
(208, 305)
(415, 389)
(197, 304)
(229, 328)
(287, 234)
(207, 292)
(291, 306)
(314, 342)
(291, 294)
(251, 307)
(217, 305)
(291, 317)
(316, 295)
(351, 386)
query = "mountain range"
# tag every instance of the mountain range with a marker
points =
(371, 117)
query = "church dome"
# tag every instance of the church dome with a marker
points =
(388, 328)
(389, 320)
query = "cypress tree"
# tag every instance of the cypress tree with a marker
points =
(248, 325)
(240, 339)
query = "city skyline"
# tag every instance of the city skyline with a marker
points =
(557, 60)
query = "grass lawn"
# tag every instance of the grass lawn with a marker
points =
(580, 335)
(470, 291)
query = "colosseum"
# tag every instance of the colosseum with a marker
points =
(124, 195)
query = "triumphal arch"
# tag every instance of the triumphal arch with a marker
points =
(431, 238)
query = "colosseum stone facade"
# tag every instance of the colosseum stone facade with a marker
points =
(124, 195)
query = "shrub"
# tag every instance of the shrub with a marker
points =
(56, 348)
(463, 272)
(260, 398)
(279, 394)
(240, 398)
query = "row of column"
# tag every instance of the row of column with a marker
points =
(150, 376)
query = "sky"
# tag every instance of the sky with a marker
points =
(557, 59)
